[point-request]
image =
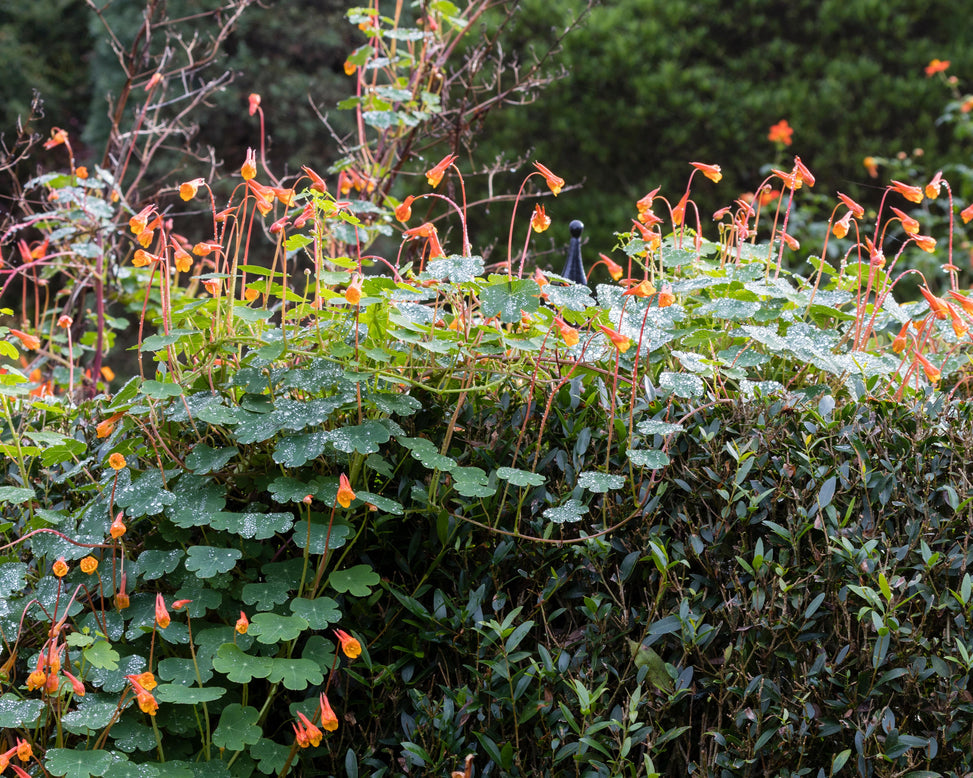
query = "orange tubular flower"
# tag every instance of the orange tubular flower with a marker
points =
(139, 221)
(345, 494)
(187, 191)
(64, 321)
(60, 568)
(568, 333)
(146, 702)
(911, 193)
(184, 260)
(792, 243)
(403, 212)
(88, 565)
(901, 340)
(933, 187)
(254, 101)
(249, 168)
(435, 174)
(781, 133)
(213, 286)
(36, 680)
(791, 180)
(353, 292)
(712, 172)
(121, 598)
(840, 227)
(925, 242)
(933, 373)
(936, 66)
(180, 604)
(313, 734)
(76, 685)
(161, 614)
(801, 172)
(910, 225)
(666, 297)
(116, 461)
(875, 256)
(300, 735)
(641, 289)
(963, 300)
(966, 214)
(614, 269)
(118, 527)
(540, 221)
(679, 212)
(937, 306)
(350, 646)
(317, 183)
(242, 624)
(29, 342)
(620, 342)
(58, 136)
(554, 183)
(328, 720)
(854, 207)
(959, 326)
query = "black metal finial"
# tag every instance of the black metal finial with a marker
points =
(574, 267)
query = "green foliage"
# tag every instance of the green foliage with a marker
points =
(709, 519)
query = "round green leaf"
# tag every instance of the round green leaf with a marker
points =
(356, 581)
(208, 561)
(76, 763)
(319, 613)
(648, 458)
(270, 628)
(572, 510)
(187, 695)
(520, 477)
(600, 482)
(237, 728)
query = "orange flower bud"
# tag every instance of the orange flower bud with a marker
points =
(60, 568)
(554, 183)
(911, 193)
(254, 101)
(403, 211)
(249, 168)
(328, 720)
(116, 461)
(88, 565)
(242, 624)
(161, 614)
(118, 527)
(712, 172)
(345, 494)
(187, 191)
(435, 174)
(29, 342)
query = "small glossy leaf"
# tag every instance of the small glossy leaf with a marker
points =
(455, 268)
(425, 451)
(204, 459)
(270, 628)
(271, 757)
(237, 728)
(266, 594)
(239, 667)
(179, 694)
(683, 385)
(101, 655)
(295, 674)
(362, 439)
(209, 561)
(600, 482)
(656, 427)
(571, 511)
(508, 298)
(89, 716)
(654, 460)
(519, 477)
(356, 581)
(320, 613)
(76, 763)
(15, 495)
(16, 713)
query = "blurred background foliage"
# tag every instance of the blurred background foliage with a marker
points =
(647, 87)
